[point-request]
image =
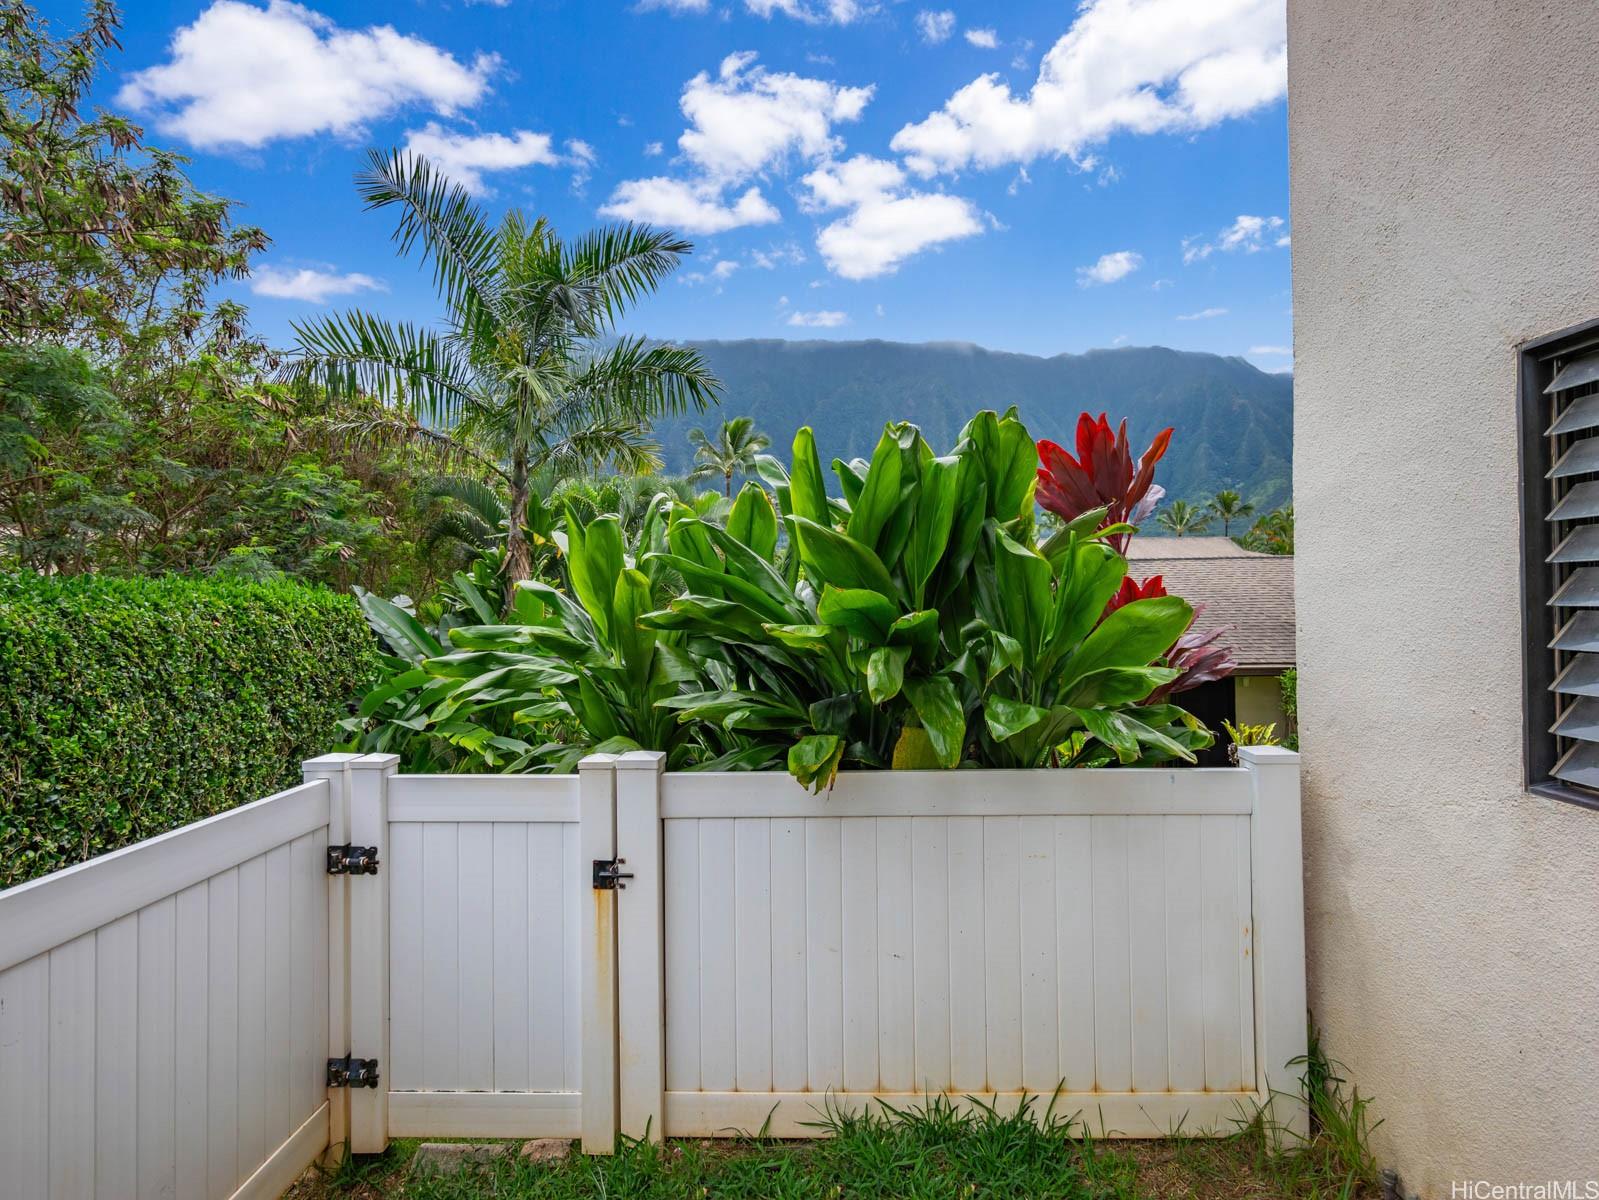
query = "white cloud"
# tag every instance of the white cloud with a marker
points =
(743, 121)
(464, 157)
(1246, 234)
(686, 207)
(879, 310)
(824, 319)
(1117, 265)
(245, 76)
(653, 149)
(1139, 66)
(888, 223)
(785, 255)
(310, 284)
(812, 12)
(1284, 241)
(935, 27)
(1120, 339)
(1203, 314)
(675, 6)
(721, 272)
(983, 39)
(1273, 351)
(747, 119)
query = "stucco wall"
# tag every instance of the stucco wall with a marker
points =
(1445, 160)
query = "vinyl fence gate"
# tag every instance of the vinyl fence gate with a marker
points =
(624, 950)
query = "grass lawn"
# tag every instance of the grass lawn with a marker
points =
(931, 1152)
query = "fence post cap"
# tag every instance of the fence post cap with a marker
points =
(1268, 756)
(329, 762)
(375, 762)
(597, 762)
(642, 760)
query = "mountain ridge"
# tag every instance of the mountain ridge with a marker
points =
(1233, 421)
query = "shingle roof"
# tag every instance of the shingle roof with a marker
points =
(1253, 594)
(1143, 547)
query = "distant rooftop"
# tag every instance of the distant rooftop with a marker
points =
(1252, 594)
(1143, 547)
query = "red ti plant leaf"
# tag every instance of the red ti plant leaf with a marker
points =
(1103, 474)
(1199, 659)
(1131, 590)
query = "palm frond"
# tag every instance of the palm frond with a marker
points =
(623, 262)
(479, 498)
(624, 446)
(640, 380)
(358, 354)
(456, 237)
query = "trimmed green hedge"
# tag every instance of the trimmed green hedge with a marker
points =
(129, 707)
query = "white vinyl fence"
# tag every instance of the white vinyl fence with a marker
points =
(164, 1012)
(1133, 939)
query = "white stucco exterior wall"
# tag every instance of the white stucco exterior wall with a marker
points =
(1445, 159)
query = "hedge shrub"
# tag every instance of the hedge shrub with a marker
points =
(129, 707)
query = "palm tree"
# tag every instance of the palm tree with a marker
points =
(1227, 507)
(1272, 533)
(523, 373)
(1180, 518)
(732, 452)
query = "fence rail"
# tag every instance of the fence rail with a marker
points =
(1131, 939)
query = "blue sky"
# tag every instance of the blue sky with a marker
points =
(1030, 177)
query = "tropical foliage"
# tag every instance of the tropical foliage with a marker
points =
(730, 452)
(1228, 506)
(1272, 533)
(910, 621)
(525, 373)
(1180, 519)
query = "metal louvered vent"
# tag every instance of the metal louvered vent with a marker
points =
(1560, 398)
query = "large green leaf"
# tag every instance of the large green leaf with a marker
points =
(1020, 600)
(635, 643)
(1135, 635)
(594, 560)
(832, 557)
(885, 672)
(753, 521)
(865, 613)
(938, 707)
(403, 632)
(814, 760)
(1091, 572)
(1008, 459)
(880, 495)
(1006, 718)
(929, 535)
(807, 488)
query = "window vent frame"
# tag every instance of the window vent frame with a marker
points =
(1539, 362)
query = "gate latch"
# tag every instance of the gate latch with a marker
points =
(350, 1072)
(608, 874)
(352, 860)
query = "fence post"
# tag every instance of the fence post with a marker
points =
(334, 769)
(641, 1073)
(597, 842)
(369, 950)
(1277, 874)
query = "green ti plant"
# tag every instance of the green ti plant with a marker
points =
(913, 622)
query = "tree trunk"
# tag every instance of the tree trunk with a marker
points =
(518, 555)
(727, 484)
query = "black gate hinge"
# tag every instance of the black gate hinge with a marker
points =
(608, 875)
(352, 860)
(350, 1072)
